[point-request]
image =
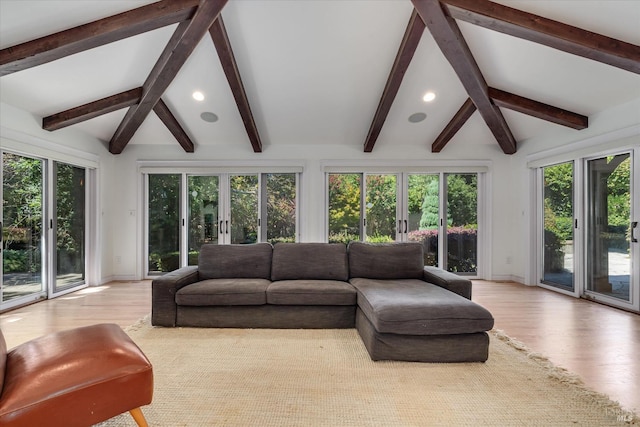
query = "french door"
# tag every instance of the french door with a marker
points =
(438, 210)
(185, 211)
(589, 232)
(44, 222)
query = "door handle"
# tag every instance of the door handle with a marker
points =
(406, 226)
(220, 227)
(634, 225)
(226, 227)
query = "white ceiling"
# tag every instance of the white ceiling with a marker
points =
(314, 71)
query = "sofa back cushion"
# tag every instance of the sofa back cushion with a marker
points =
(319, 261)
(386, 260)
(235, 261)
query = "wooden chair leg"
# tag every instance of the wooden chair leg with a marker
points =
(138, 416)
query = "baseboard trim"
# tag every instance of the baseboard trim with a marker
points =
(507, 278)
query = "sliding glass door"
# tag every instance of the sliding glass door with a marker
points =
(186, 211)
(44, 228)
(241, 223)
(423, 215)
(588, 211)
(558, 220)
(69, 225)
(461, 226)
(163, 219)
(22, 228)
(608, 226)
(375, 207)
(203, 213)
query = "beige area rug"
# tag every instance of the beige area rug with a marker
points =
(275, 377)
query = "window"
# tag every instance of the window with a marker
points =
(223, 208)
(376, 207)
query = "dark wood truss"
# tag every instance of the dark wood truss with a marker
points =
(195, 18)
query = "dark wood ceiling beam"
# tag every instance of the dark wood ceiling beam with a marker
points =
(461, 117)
(84, 37)
(447, 35)
(408, 46)
(166, 116)
(548, 32)
(538, 109)
(92, 109)
(181, 45)
(227, 59)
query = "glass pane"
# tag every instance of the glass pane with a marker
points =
(344, 207)
(22, 210)
(608, 233)
(281, 207)
(558, 226)
(164, 222)
(424, 214)
(70, 225)
(244, 208)
(462, 222)
(381, 208)
(203, 214)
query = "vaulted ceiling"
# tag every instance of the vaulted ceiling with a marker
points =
(318, 72)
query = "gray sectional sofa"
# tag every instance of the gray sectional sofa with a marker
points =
(401, 309)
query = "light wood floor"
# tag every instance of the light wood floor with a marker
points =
(599, 343)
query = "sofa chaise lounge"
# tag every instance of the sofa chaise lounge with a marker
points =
(401, 309)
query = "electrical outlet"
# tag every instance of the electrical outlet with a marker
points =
(118, 259)
(509, 260)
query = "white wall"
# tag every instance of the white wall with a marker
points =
(120, 193)
(126, 182)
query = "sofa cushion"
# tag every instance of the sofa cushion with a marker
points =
(448, 280)
(415, 307)
(224, 292)
(320, 261)
(311, 292)
(386, 260)
(235, 261)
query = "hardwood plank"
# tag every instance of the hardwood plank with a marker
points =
(166, 116)
(175, 54)
(548, 32)
(227, 59)
(461, 117)
(599, 343)
(538, 109)
(447, 35)
(84, 37)
(408, 46)
(92, 109)
(122, 303)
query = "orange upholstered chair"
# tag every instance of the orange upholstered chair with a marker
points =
(77, 377)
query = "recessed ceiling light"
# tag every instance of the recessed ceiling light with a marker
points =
(198, 96)
(429, 96)
(208, 116)
(417, 117)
